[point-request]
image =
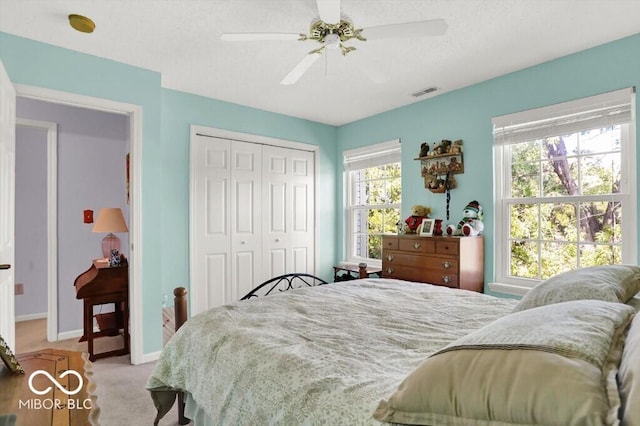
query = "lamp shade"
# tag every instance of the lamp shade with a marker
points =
(110, 219)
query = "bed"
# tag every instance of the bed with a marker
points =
(379, 351)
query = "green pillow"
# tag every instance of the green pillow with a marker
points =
(610, 283)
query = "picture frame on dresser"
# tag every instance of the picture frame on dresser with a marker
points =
(426, 227)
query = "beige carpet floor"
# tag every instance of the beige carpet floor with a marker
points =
(120, 386)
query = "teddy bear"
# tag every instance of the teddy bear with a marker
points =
(424, 149)
(471, 223)
(418, 214)
(442, 147)
(456, 148)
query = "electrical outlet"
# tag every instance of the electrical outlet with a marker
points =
(19, 288)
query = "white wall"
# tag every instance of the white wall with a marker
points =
(92, 147)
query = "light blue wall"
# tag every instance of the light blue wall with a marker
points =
(166, 118)
(179, 111)
(466, 114)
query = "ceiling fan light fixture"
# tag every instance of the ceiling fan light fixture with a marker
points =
(332, 41)
(81, 23)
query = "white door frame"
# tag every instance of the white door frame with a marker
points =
(134, 112)
(7, 206)
(242, 137)
(52, 221)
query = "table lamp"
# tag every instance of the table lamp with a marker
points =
(110, 219)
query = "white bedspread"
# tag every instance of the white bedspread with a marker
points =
(321, 355)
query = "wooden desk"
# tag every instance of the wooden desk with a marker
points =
(54, 408)
(352, 272)
(100, 285)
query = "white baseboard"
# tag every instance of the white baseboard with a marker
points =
(153, 356)
(71, 334)
(29, 317)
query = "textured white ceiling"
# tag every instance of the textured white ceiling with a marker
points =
(181, 40)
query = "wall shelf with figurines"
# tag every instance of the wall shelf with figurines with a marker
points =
(439, 164)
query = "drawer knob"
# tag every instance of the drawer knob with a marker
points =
(389, 271)
(417, 245)
(446, 279)
(446, 264)
(389, 257)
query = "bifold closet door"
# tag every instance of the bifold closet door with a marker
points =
(288, 205)
(253, 217)
(227, 216)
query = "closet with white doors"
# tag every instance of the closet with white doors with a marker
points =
(252, 216)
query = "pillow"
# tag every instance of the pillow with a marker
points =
(611, 283)
(553, 365)
(629, 376)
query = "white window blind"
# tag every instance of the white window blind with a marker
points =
(603, 110)
(372, 155)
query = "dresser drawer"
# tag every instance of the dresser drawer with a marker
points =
(420, 275)
(402, 258)
(441, 264)
(389, 243)
(450, 247)
(417, 245)
(436, 263)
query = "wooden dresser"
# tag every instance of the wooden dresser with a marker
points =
(456, 262)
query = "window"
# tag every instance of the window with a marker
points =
(373, 191)
(564, 197)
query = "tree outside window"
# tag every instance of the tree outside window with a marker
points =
(565, 188)
(376, 197)
(374, 192)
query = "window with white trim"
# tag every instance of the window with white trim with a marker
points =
(564, 179)
(373, 197)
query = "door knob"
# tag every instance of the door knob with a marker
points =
(5, 266)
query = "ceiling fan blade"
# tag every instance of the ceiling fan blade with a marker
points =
(259, 36)
(329, 11)
(434, 27)
(300, 69)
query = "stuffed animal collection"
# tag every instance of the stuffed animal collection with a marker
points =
(418, 214)
(471, 222)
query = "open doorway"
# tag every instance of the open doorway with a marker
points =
(85, 168)
(36, 224)
(92, 172)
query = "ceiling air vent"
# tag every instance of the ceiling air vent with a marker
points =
(424, 92)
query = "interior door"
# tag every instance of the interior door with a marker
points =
(7, 205)
(211, 227)
(288, 200)
(246, 218)
(227, 220)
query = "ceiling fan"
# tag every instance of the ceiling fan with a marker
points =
(332, 30)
